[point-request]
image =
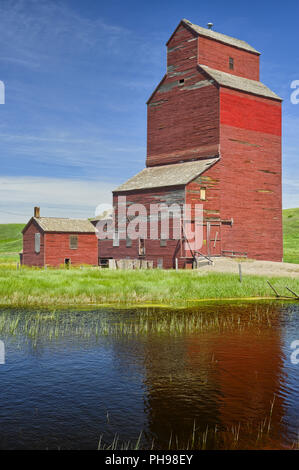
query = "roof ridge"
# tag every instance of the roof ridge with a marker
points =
(230, 80)
(239, 43)
(202, 159)
(62, 224)
(60, 218)
(167, 175)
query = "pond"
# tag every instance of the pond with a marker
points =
(216, 376)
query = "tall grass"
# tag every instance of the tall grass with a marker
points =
(291, 235)
(92, 286)
(240, 436)
(143, 322)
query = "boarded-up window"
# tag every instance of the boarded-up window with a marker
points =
(115, 239)
(37, 242)
(203, 194)
(128, 242)
(73, 242)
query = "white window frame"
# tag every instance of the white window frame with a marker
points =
(37, 242)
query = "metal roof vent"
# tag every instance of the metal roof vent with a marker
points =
(210, 25)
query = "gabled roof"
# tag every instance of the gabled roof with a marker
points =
(209, 33)
(55, 224)
(178, 174)
(239, 83)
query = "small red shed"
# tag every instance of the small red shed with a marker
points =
(53, 241)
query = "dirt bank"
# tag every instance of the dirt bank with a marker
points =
(263, 268)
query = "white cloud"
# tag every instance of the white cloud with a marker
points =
(56, 197)
(34, 30)
(64, 148)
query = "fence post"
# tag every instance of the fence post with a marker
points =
(240, 272)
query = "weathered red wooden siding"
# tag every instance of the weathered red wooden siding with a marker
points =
(153, 252)
(216, 55)
(183, 119)
(250, 165)
(169, 196)
(250, 112)
(210, 180)
(181, 52)
(30, 258)
(57, 248)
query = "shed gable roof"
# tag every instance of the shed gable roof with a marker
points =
(55, 224)
(239, 83)
(210, 33)
(177, 174)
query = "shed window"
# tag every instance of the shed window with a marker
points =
(73, 242)
(128, 242)
(203, 194)
(231, 63)
(37, 242)
(163, 242)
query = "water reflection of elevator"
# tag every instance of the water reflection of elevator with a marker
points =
(222, 377)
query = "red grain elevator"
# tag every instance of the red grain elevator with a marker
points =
(213, 137)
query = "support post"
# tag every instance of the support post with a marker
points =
(240, 272)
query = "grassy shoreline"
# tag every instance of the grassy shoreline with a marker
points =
(90, 287)
(29, 287)
(290, 219)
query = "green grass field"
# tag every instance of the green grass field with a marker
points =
(291, 235)
(10, 242)
(92, 286)
(38, 287)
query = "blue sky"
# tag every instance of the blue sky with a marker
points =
(77, 74)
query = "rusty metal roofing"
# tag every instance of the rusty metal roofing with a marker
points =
(177, 174)
(240, 83)
(55, 224)
(210, 33)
